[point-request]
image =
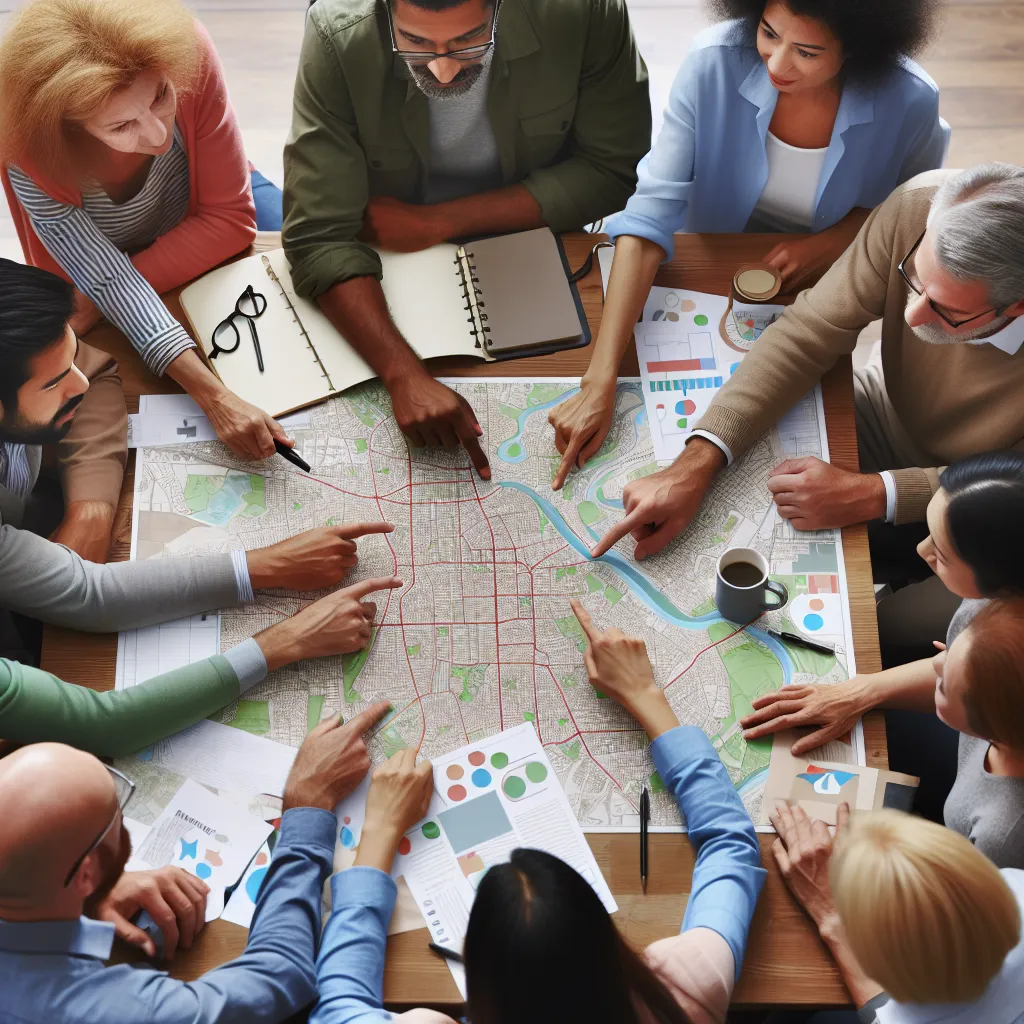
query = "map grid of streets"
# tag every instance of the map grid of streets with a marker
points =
(481, 636)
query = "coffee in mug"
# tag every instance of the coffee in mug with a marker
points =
(742, 587)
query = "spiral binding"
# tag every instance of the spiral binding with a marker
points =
(473, 296)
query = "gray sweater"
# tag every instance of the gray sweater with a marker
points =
(987, 808)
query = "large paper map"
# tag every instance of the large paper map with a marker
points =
(481, 636)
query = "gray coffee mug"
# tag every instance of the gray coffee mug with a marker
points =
(742, 602)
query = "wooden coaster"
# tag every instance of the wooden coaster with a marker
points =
(756, 282)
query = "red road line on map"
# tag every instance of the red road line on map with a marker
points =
(704, 650)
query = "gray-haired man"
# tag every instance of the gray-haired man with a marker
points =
(941, 262)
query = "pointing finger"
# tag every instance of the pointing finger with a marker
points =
(360, 590)
(367, 719)
(471, 442)
(350, 531)
(584, 619)
(572, 449)
(617, 532)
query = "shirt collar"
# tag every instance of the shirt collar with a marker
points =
(1008, 340)
(84, 937)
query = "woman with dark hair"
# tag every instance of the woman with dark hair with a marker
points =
(975, 546)
(540, 947)
(796, 116)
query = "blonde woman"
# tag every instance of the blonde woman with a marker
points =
(922, 926)
(125, 173)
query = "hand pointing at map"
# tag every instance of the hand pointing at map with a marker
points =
(337, 624)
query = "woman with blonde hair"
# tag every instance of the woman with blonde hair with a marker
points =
(125, 173)
(922, 926)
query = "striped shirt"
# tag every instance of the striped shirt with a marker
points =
(15, 473)
(91, 243)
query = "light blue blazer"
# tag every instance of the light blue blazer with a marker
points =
(708, 167)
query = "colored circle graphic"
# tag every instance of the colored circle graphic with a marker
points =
(346, 820)
(813, 622)
(536, 771)
(816, 604)
(687, 407)
(404, 845)
(700, 320)
(456, 793)
(203, 870)
(514, 787)
(455, 772)
(481, 778)
(499, 760)
(253, 883)
(348, 839)
(431, 830)
(687, 305)
(476, 758)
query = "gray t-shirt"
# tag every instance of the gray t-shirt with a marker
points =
(464, 155)
(987, 808)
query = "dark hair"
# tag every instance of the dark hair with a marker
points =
(541, 949)
(873, 33)
(439, 5)
(35, 307)
(984, 518)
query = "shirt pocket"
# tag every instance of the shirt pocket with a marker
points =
(544, 134)
(391, 171)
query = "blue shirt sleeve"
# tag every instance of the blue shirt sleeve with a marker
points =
(275, 976)
(728, 876)
(665, 176)
(350, 969)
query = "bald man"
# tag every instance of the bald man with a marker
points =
(64, 894)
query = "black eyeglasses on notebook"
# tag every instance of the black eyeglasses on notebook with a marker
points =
(226, 337)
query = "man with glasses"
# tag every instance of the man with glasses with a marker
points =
(420, 121)
(941, 262)
(64, 894)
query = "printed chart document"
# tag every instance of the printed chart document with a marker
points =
(490, 798)
(688, 344)
(207, 835)
(241, 903)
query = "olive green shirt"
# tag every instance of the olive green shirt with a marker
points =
(568, 104)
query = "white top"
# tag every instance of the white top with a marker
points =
(788, 200)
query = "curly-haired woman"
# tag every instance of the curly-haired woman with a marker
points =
(125, 173)
(798, 117)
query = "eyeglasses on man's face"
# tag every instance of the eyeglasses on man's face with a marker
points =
(123, 788)
(465, 54)
(908, 271)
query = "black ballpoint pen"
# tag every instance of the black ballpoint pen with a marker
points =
(645, 817)
(448, 954)
(800, 641)
(287, 453)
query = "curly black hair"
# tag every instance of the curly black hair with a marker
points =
(873, 33)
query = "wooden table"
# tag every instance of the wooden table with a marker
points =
(786, 963)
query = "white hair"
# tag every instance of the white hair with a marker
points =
(977, 224)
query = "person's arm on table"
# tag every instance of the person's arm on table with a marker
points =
(835, 708)
(803, 852)
(37, 706)
(49, 582)
(275, 976)
(803, 261)
(350, 968)
(91, 458)
(728, 876)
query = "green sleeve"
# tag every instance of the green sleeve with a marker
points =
(326, 184)
(611, 128)
(36, 706)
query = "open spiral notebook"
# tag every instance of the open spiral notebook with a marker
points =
(494, 298)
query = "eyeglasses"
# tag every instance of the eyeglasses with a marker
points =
(466, 55)
(123, 787)
(916, 288)
(250, 305)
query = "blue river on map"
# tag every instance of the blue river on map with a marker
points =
(640, 585)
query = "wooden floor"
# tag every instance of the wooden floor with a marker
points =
(977, 59)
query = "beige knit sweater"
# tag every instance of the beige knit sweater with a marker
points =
(953, 400)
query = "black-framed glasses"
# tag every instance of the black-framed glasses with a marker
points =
(915, 287)
(250, 305)
(465, 55)
(123, 787)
